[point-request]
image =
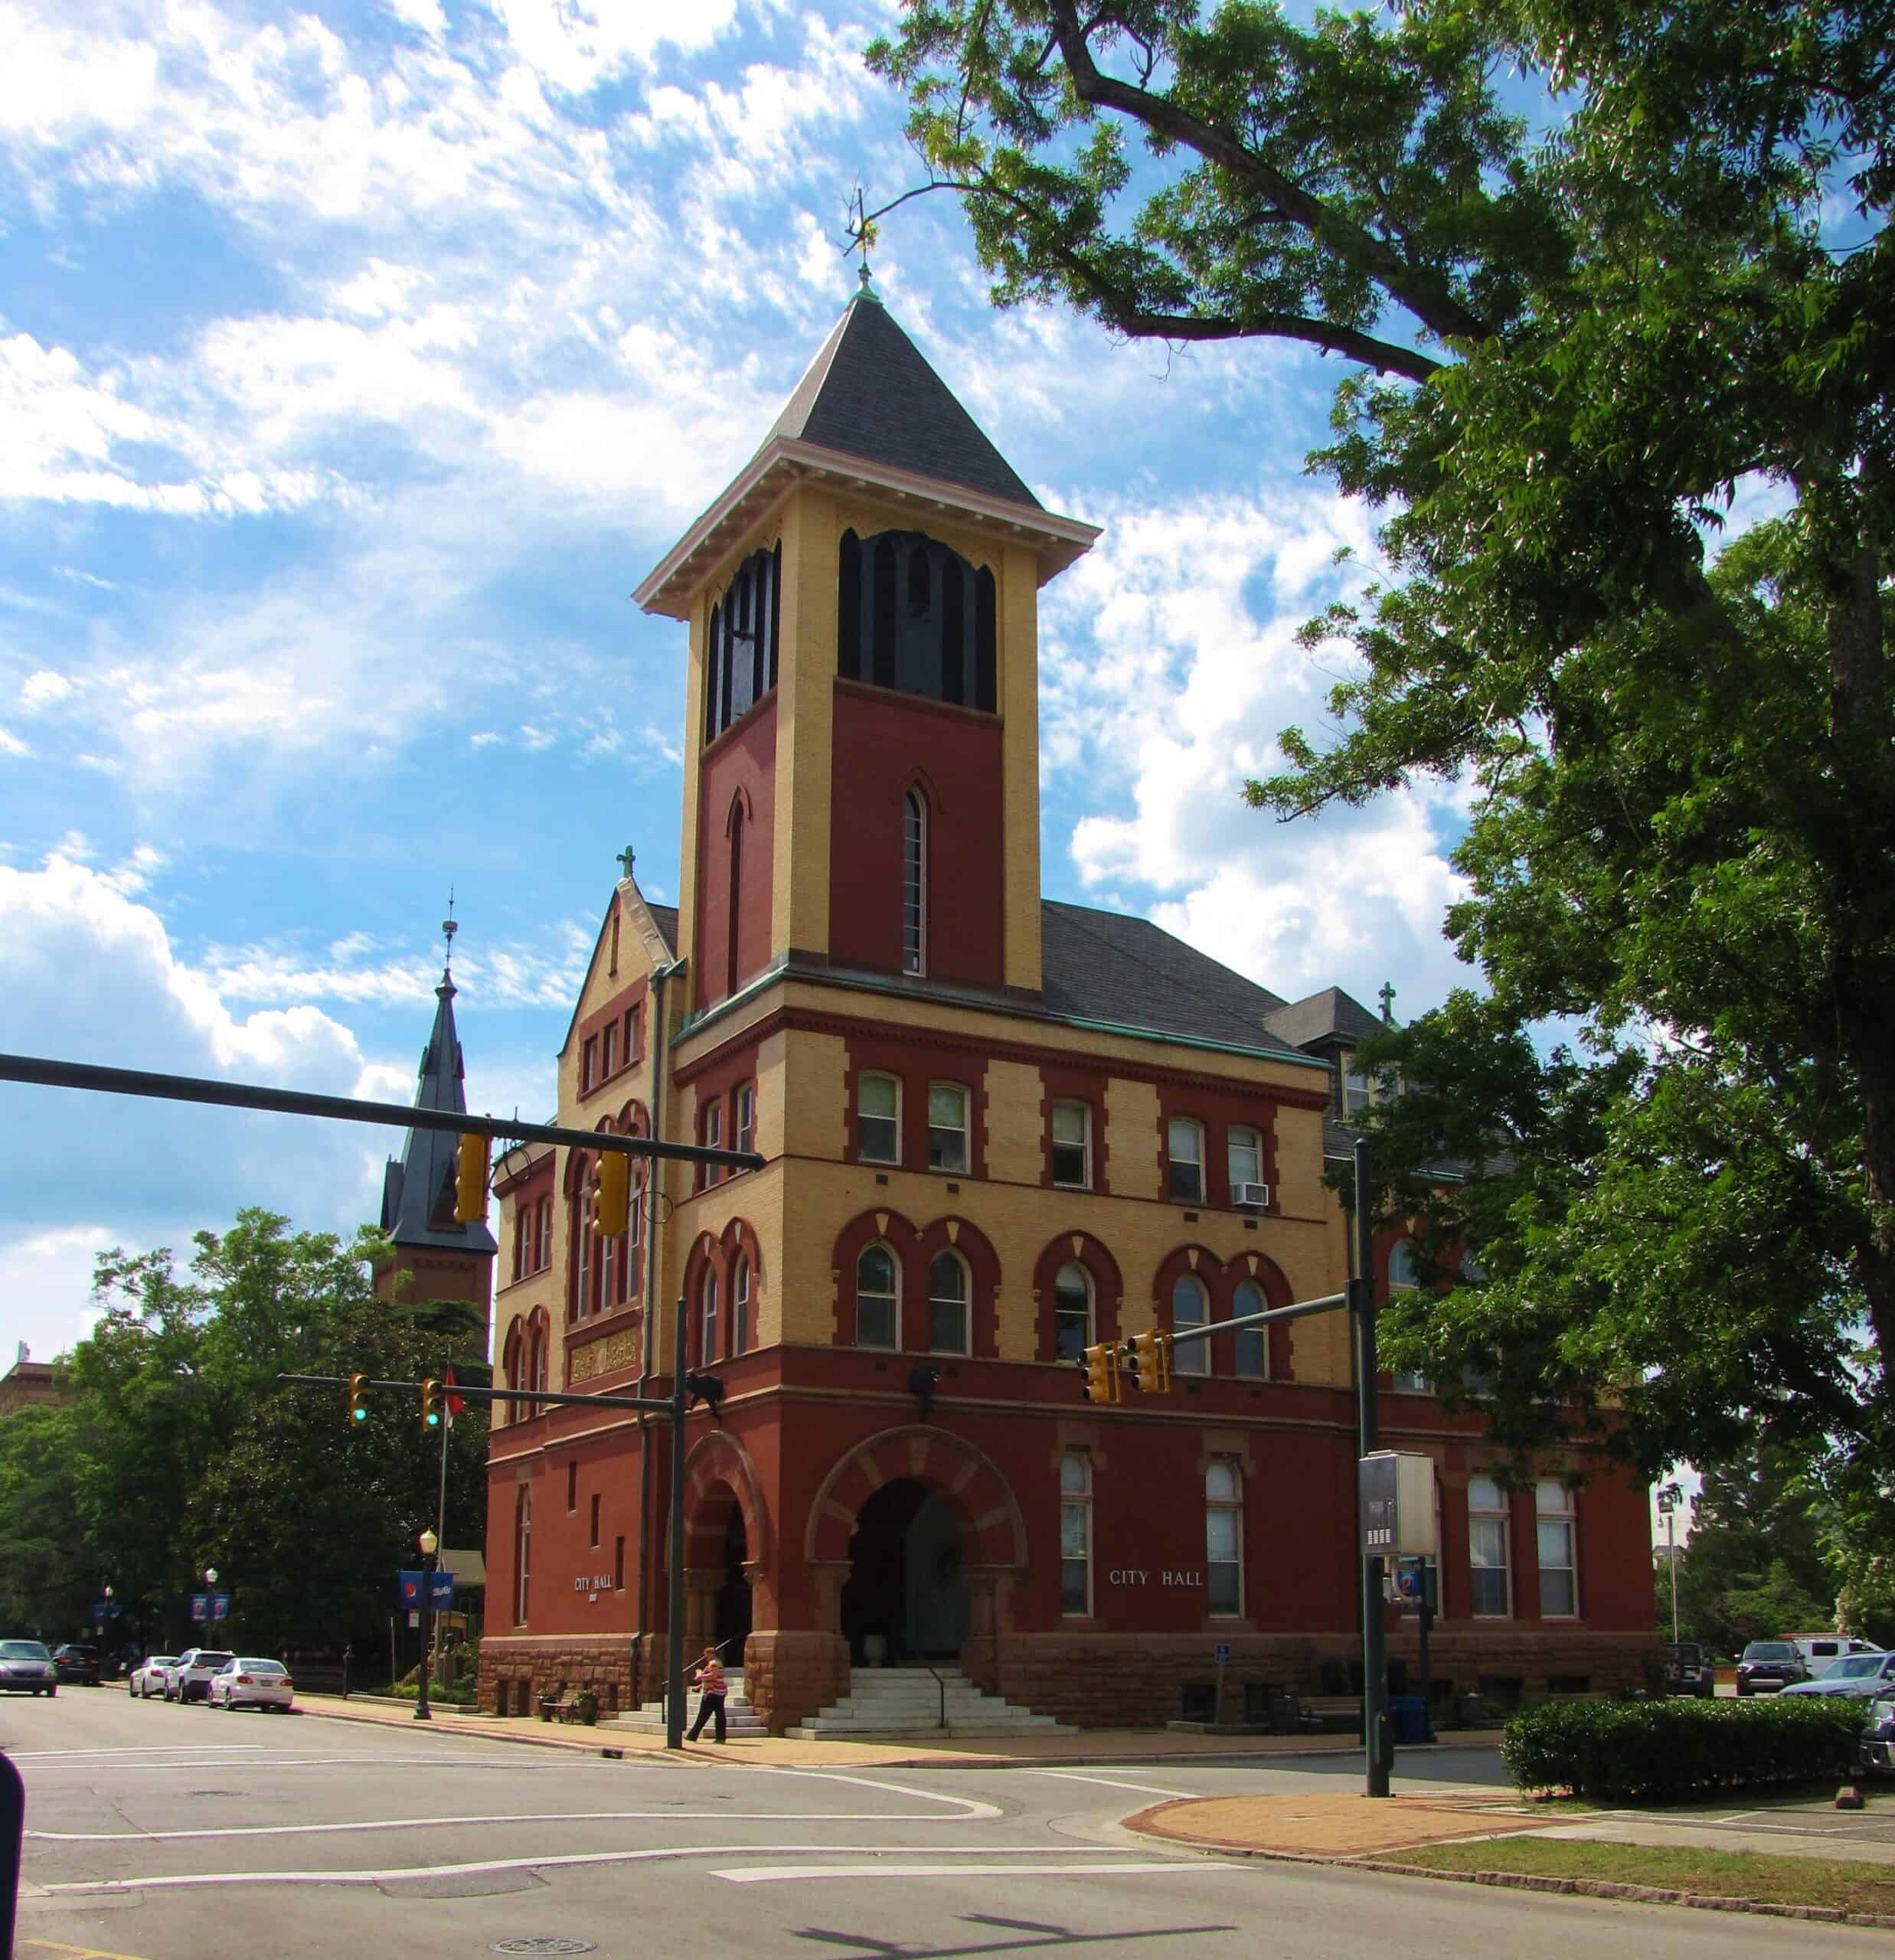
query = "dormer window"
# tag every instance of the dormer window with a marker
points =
(1356, 1090)
(914, 615)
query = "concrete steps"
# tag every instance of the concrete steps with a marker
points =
(739, 1718)
(909, 1701)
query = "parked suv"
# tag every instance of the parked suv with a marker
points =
(77, 1664)
(1819, 1649)
(1766, 1666)
(190, 1680)
(1688, 1669)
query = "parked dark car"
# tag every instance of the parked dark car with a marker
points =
(1878, 1737)
(77, 1664)
(1766, 1666)
(1688, 1669)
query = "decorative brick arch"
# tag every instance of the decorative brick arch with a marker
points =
(900, 1237)
(962, 1235)
(1108, 1291)
(994, 1534)
(1199, 1260)
(719, 1475)
(1263, 1273)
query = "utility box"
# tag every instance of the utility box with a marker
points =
(1397, 1496)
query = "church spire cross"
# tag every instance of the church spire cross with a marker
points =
(626, 859)
(1387, 999)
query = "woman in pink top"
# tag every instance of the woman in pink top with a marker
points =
(709, 1677)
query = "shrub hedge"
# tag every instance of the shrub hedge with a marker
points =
(1619, 1751)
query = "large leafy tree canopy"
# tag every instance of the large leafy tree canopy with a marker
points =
(1575, 336)
(181, 1449)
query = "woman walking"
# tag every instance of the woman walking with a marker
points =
(709, 1677)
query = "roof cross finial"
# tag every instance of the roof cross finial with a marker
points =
(1386, 997)
(449, 928)
(861, 238)
(627, 858)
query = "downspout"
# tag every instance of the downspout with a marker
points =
(660, 1047)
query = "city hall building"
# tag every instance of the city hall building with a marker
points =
(995, 1128)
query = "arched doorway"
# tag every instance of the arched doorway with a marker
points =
(906, 1581)
(732, 1620)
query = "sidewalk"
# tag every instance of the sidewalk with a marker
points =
(1081, 1746)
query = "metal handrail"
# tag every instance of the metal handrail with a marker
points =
(943, 1686)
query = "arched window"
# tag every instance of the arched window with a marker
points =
(740, 643)
(1403, 1266)
(737, 895)
(914, 883)
(947, 1305)
(1253, 1344)
(1189, 1307)
(1072, 1310)
(1224, 1538)
(582, 1243)
(708, 1320)
(741, 1329)
(917, 617)
(522, 1550)
(877, 1302)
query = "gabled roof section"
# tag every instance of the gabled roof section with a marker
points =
(1111, 966)
(869, 414)
(655, 926)
(871, 393)
(1328, 1015)
(417, 1197)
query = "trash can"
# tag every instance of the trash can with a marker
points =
(1408, 1717)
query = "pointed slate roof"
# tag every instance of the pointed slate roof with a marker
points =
(869, 392)
(417, 1192)
(1328, 1015)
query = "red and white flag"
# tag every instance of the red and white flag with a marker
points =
(455, 1403)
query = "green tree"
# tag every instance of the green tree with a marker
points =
(47, 1575)
(189, 1451)
(1574, 344)
(1754, 1567)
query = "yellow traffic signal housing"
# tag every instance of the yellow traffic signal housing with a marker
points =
(431, 1403)
(470, 1178)
(1149, 1361)
(357, 1399)
(1102, 1373)
(611, 1195)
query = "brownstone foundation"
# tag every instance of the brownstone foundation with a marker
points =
(788, 1676)
(514, 1672)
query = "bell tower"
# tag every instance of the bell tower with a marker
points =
(861, 790)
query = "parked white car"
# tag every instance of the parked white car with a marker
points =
(1855, 1677)
(189, 1678)
(148, 1677)
(243, 1682)
(26, 1668)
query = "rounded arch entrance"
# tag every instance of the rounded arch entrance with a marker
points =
(913, 1540)
(726, 1549)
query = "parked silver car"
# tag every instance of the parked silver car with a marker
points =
(190, 1680)
(26, 1668)
(148, 1677)
(1855, 1677)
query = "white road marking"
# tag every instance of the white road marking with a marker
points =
(970, 1807)
(146, 1748)
(1112, 1783)
(772, 1874)
(396, 1874)
(187, 1759)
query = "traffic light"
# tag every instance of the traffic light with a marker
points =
(357, 1399)
(611, 1208)
(432, 1403)
(1101, 1364)
(470, 1178)
(1148, 1361)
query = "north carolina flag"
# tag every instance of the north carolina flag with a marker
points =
(455, 1403)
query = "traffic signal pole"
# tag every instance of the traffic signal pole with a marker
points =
(1375, 1737)
(675, 1600)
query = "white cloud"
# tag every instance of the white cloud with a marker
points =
(11, 744)
(40, 689)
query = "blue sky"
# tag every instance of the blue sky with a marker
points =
(355, 363)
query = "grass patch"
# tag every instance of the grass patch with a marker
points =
(1848, 1885)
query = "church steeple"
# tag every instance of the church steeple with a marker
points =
(417, 1204)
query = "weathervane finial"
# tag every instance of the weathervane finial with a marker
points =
(449, 928)
(861, 238)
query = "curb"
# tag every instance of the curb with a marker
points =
(572, 1748)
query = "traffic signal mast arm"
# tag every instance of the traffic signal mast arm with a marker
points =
(1330, 1303)
(467, 1392)
(49, 1074)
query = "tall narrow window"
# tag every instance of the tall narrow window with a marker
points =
(1487, 1549)
(848, 608)
(986, 691)
(1072, 1310)
(1253, 1349)
(522, 1550)
(878, 1119)
(618, 1565)
(947, 1126)
(1355, 1085)
(708, 1322)
(736, 896)
(1403, 1276)
(519, 1244)
(1224, 1538)
(953, 633)
(881, 651)
(581, 1258)
(1190, 1308)
(588, 1065)
(714, 673)
(1076, 1534)
(746, 1116)
(595, 1519)
(546, 1232)
(608, 1051)
(607, 1275)
(914, 883)
(572, 1483)
(635, 1034)
(740, 1333)
(947, 1305)
(1243, 1150)
(876, 1302)
(634, 1230)
(1559, 1575)
(714, 1139)
(1073, 1144)
(1184, 1145)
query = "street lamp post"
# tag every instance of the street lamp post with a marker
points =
(1669, 1498)
(105, 1632)
(430, 1545)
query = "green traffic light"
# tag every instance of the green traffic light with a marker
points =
(359, 1413)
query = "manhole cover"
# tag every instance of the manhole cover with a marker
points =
(542, 1943)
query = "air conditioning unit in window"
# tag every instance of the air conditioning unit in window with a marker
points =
(1250, 1197)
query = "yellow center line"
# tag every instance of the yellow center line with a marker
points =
(74, 1952)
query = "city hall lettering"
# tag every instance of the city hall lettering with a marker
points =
(1125, 1575)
